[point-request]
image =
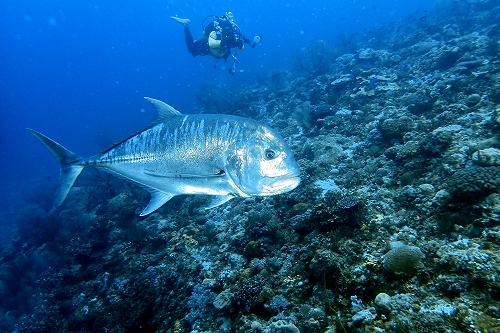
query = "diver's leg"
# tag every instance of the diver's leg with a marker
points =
(190, 42)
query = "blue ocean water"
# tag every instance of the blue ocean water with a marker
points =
(77, 71)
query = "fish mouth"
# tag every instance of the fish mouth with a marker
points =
(282, 184)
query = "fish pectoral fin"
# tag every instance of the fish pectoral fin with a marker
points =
(158, 198)
(219, 200)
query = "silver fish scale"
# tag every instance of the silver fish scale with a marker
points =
(196, 141)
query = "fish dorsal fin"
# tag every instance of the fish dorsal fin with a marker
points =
(164, 110)
(158, 198)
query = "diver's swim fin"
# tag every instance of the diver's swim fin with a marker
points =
(181, 20)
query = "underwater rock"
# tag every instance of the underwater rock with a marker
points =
(321, 110)
(325, 265)
(299, 208)
(122, 201)
(342, 80)
(223, 300)
(366, 54)
(399, 152)
(419, 102)
(253, 250)
(364, 316)
(424, 47)
(383, 301)
(395, 58)
(442, 136)
(347, 201)
(410, 148)
(408, 194)
(466, 255)
(441, 198)
(267, 293)
(427, 189)
(471, 64)
(473, 99)
(446, 56)
(281, 326)
(396, 127)
(487, 157)
(278, 304)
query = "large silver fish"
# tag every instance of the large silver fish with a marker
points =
(221, 155)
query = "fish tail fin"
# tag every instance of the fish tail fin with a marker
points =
(70, 169)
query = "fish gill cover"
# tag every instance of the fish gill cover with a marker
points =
(394, 228)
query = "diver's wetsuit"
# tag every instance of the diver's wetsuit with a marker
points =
(196, 47)
(228, 32)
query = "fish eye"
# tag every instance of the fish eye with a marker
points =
(270, 154)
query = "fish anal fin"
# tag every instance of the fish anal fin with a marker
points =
(219, 200)
(158, 198)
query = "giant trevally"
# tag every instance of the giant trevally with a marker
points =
(220, 155)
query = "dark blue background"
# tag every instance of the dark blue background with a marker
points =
(77, 71)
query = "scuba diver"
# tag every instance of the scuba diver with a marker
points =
(218, 38)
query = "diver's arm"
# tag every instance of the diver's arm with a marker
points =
(247, 41)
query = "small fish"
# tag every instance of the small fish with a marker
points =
(221, 155)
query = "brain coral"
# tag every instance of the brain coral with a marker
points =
(474, 181)
(403, 259)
